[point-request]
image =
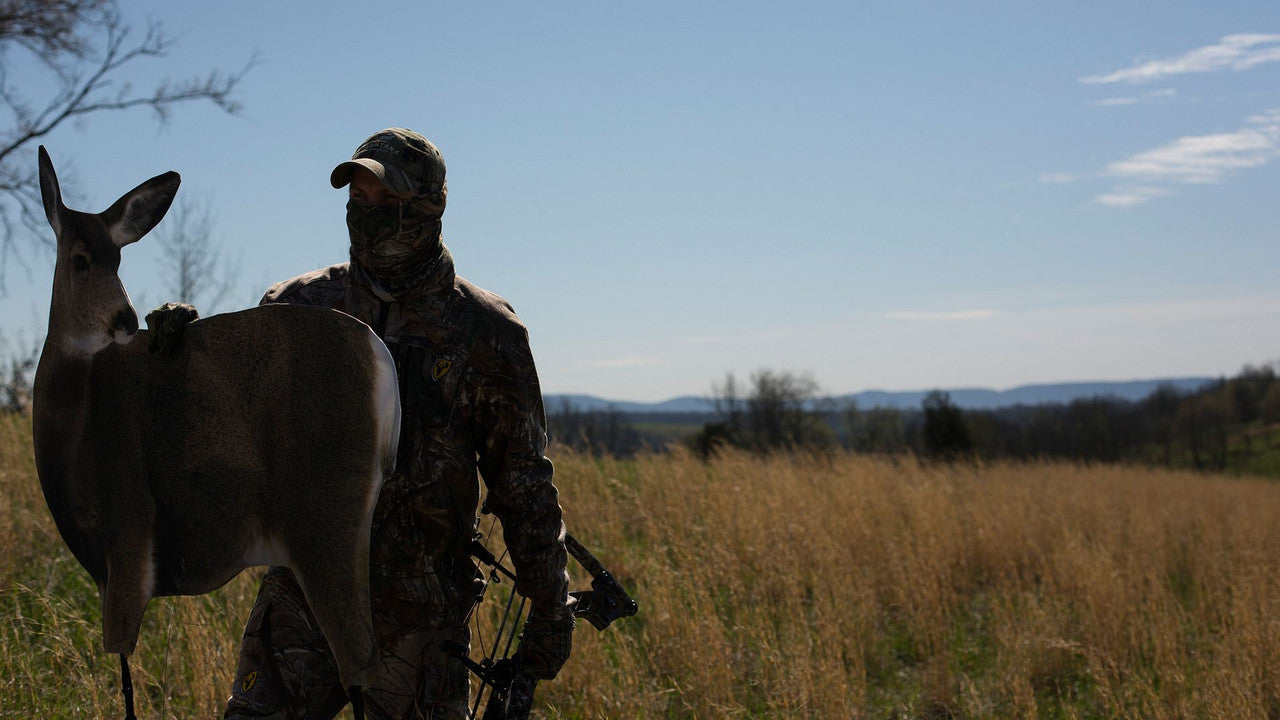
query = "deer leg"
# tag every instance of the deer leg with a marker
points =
(335, 581)
(357, 701)
(126, 687)
(130, 582)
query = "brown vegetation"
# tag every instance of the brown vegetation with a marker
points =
(793, 586)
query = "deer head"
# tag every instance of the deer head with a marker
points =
(90, 307)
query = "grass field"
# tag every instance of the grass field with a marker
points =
(668, 432)
(795, 586)
(1254, 449)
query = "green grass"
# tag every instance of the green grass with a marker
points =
(668, 432)
(1252, 449)
(1255, 450)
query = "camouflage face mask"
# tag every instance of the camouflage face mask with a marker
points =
(396, 244)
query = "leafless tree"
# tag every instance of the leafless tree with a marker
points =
(18, 358)
(1204, 424)
(946, 434)
(727, 400)
(87, 49)
(877, 430)
(778, 411)
(191, 261)
(605, 432)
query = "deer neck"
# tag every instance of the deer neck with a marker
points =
(63, 392)
(60, 428)
(60, 392)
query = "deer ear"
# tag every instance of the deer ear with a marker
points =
(49, 192)
(138, 210)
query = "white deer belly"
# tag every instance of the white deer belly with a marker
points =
(265, 550)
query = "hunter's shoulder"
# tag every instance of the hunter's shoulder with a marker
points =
(490, 309)
(324, 286)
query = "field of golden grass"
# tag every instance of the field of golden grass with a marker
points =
(790, 587)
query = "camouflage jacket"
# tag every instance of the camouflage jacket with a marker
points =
(470, 400)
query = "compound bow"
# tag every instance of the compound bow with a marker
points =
(511, 696)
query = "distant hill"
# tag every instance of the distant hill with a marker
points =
(968, 398)
(591, 403)
(986, 399)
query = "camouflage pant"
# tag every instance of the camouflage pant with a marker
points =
(286, 671)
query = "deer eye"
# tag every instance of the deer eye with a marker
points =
(80, 263)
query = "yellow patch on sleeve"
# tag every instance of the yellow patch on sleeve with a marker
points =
(441, 368)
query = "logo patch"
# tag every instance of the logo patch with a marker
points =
(441, 368)
(249, 681)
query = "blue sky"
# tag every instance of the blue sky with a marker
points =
(896, 196)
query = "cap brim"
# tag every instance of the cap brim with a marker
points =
(388, 175)
(341, 175)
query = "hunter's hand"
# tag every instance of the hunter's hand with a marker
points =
(544, 647)
(165, 325)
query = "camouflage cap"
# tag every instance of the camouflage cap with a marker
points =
(403, 160)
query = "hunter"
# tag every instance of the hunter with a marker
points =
(471, 402)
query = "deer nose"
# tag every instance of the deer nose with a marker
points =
(126, 320)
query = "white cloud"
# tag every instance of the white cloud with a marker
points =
(1233, 52)
(1195, 160)
(1135, 99)
(623, 362)
(1130, 196)
(945, 315)
(1167, 312)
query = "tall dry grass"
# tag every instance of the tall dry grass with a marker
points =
(51, 659)
(792, 587)
(858, 587)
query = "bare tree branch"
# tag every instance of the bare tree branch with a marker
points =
(18, 358)
(190, 260)
(49, 28)
(85, 43)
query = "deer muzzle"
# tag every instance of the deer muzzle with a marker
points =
(124, 325)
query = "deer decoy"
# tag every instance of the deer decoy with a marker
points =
(263, 438)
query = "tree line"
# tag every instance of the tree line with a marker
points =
(774, 411)
(1200, 429)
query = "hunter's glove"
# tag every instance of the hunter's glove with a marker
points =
(165, 325)
(544, 647)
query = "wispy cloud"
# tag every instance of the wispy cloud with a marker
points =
(1130, 196)
(623, 362)
(1165, 312)
(1135, 99)
(944, 315)
(1233, 52)
(1194, 160)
